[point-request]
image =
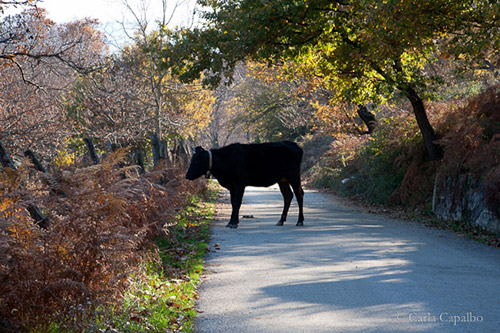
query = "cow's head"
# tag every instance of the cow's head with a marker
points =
(200, 164)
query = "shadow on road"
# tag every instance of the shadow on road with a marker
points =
(345, 271)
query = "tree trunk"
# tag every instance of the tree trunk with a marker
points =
(35, 212)
(140, 162)
(5, 158)
(164, 152)
(91, 149)
(36, 162)
(38, 166)
(434, 149)
(155, 145)
(368, 118)
(40, 218)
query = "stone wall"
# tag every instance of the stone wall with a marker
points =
(462, 198)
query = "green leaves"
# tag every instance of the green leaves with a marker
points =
(341, 42)
(364, 50)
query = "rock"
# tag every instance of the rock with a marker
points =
(462, 198)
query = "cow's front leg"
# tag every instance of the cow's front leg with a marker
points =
(236, 198)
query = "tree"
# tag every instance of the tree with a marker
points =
(223, 128)
(30, 40)
(176, 111)
(315, 104)
(270, 106)
(117, 104)
(15, 3)
(362, 49)
(102, 106)
(38, 59)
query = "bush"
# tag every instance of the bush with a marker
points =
(99, 223)
(472, 141)
(314, 146)
(392, 166)
(389, 167)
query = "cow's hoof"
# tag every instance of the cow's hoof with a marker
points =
(231, 225)
(280, 223)
(300, 224)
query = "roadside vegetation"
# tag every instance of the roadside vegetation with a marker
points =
(390, 168)
(162, 293)
(120, 251)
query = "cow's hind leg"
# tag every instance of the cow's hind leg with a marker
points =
(287, 197)
(299, 194)
(236, 199)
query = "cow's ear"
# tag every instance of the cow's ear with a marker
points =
(199, 149)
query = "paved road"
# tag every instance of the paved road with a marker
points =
(345, 271)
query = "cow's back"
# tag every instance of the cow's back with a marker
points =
(267, 163)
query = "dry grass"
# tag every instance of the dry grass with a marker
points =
(472, 141)
(99, 224)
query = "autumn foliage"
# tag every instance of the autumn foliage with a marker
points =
(472, 142)
(391, 166)
(101, 219)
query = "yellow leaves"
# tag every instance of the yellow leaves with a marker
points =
(11, 194)
(22, 233)
(64, 158)
(335, 118)
(191, 107)
(11, 209)
(197, 115)
(271, 75)
(5, 204)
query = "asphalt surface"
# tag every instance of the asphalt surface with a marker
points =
(344, 271)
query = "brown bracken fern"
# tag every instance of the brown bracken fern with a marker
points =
(101, 217)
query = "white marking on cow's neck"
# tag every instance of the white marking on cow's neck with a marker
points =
(209, 164)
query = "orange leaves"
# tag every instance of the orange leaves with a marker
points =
(5, 204)
(336, 119)
(98, 229)
(471, 134)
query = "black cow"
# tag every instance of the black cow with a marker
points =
(239, 165)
